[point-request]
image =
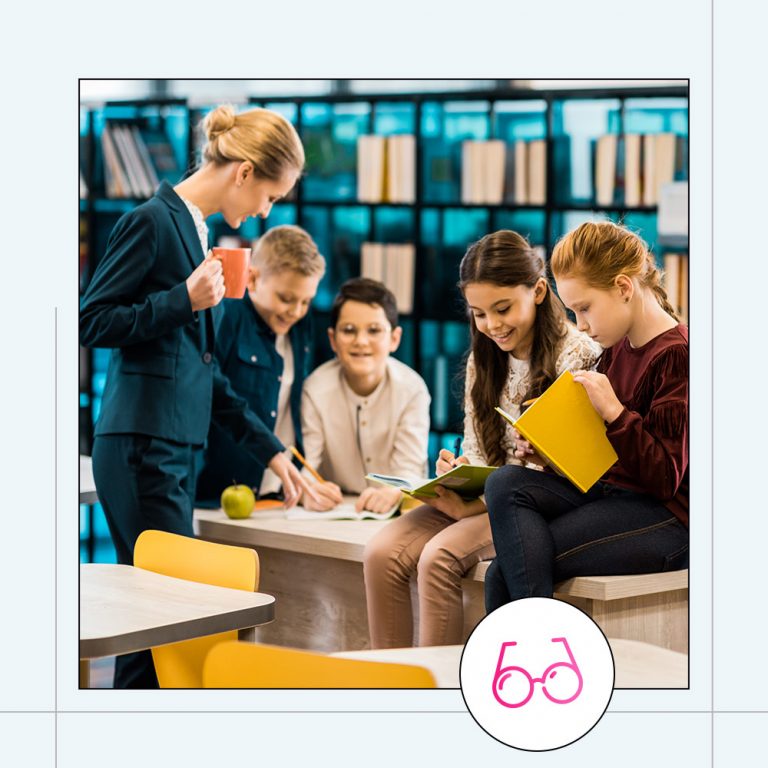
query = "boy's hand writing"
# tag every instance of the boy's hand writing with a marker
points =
(601, 394)
(446, 461)
(377, 499)
(293, 481)
(327, 496)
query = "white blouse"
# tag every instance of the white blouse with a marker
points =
(577, 352)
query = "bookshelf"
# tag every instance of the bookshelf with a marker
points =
(567, 123)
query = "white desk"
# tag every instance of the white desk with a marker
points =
(88, 493)
(638, 665)
(125, 609)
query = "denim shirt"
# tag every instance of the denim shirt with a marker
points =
(245, 350)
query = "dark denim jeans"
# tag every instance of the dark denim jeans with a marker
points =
(545, 530)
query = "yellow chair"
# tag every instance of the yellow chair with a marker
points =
(245, 665)
(180, 665)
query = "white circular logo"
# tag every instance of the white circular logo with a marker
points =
(537, 674)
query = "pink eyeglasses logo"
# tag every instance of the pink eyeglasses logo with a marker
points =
(561, 682)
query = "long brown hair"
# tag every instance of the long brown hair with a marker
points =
(506, 258)
(600, 251)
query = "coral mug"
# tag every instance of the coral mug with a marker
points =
(234, 264)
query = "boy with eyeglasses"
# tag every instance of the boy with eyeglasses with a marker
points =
(364, 411)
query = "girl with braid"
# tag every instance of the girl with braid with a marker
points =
(635, 519)
(521, 341)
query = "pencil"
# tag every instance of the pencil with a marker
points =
(312, 470)
(530, 402)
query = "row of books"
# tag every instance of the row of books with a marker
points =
(394, 265)
(386, 169)
(675, 282)
(135, 160)
(493, 173)
(637, 164)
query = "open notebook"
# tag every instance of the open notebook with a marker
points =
(468, 480)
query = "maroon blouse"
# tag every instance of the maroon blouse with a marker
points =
(650, 435)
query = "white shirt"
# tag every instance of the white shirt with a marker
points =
(577, 352)
(347, 436)
(284, 430)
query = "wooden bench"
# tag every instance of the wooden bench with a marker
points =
(314, 569)
(651, 607)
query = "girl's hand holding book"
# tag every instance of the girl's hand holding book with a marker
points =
(451, 504)
(600, 393)
(524, 451)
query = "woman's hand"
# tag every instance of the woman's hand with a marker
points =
(524, 451)
(377, 499)
(293, 481)
(328, 495)
(446, 461)
(450, 503)
(205, 285)
(601, 394)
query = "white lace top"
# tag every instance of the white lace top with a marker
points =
(577, 352)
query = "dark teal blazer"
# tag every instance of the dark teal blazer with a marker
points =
(163, 377)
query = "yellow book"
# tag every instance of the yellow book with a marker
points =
(568, 432)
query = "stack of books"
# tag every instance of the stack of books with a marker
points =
(386, 169)
(394, 265)
(638, 164)
(492, 173)
(135, 162)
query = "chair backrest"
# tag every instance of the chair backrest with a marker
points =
(180, 665)
(245, 665)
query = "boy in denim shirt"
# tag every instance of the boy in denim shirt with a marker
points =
(263, 348)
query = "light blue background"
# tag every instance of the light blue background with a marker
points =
(42, 715)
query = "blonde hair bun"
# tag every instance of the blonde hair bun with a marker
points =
(263, 137)
(219, 121)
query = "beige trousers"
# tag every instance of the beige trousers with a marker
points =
(440, 551)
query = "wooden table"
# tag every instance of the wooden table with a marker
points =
(638, 665)
(88, 493)
(314, 569)
(125, 609)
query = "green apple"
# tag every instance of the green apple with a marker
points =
(238, 501)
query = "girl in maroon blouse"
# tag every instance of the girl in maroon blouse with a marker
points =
(635, 520)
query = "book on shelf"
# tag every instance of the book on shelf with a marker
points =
(660, 161)
(115, 182)
(468, 480)
(483, 169)
(606, 151)
(344, 511)
(675, 282)
(370, 168)
(401, 168)
(566, 430)
(537, 172)
(673, 210)
(520, 179)
(393, 264)
(632, 170)
(386, 168)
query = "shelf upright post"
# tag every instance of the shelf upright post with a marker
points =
(418, 240)
(299, 193)
(550, 176)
